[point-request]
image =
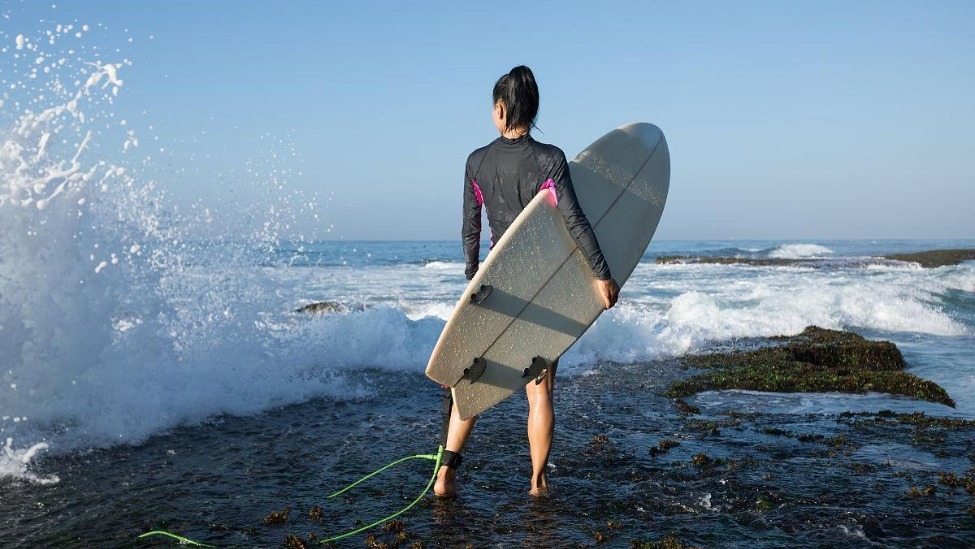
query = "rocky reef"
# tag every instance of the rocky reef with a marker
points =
(815, 361)
(935, 258)
(328, 307)
(928, 259)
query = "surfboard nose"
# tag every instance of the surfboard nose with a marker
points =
(643, 131)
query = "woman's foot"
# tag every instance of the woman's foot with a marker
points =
(449, 463)
(539, 487)
(444, 486)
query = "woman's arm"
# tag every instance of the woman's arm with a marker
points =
(576, 221)
(471, 230)
(579, 227)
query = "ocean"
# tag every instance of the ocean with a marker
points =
(158, 374)
(193, 396)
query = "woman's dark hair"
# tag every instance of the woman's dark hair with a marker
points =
(518, 92)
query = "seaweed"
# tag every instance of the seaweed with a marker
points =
(935, 258)
(815, 361)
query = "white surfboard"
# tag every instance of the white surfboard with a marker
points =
(536, 290)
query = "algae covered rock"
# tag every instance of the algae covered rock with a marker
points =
(936, 258)
(928, 259)
(815, 361)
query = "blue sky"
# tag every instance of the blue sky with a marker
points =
(786, 120)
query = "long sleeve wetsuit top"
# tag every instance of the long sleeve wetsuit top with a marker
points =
(503, 177)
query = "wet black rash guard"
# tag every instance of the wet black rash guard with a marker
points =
(503, 177)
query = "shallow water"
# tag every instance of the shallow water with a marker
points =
(765, 487)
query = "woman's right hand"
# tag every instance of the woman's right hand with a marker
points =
(608, 291)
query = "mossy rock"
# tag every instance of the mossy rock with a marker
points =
(936, 258)
(928, 259)
(838, 349)
(815, 361)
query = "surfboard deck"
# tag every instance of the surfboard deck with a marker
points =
(542, 294)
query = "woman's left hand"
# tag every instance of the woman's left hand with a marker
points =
(608, 291)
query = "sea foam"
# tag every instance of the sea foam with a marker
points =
(799, 251)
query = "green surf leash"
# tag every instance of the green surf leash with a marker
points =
(436, 458)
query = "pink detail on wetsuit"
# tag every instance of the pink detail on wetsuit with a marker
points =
(550, 185)
(480, 202)
(477, 193)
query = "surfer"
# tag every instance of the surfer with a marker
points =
(503, 177)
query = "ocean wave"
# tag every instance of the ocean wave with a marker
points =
(799, 251)
(672, 320)
(961, 277)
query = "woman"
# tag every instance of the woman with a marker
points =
(503, 177)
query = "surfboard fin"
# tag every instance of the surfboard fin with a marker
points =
(538, 369)
(476, 370)
(480, 295)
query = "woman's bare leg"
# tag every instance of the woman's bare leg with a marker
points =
(541, 426)
(457, 434)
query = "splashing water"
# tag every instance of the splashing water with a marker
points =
(14, 463)
(114, 323)
(69, 231)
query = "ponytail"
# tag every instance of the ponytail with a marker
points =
(518, 92)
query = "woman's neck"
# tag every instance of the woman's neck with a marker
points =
(514, 133)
